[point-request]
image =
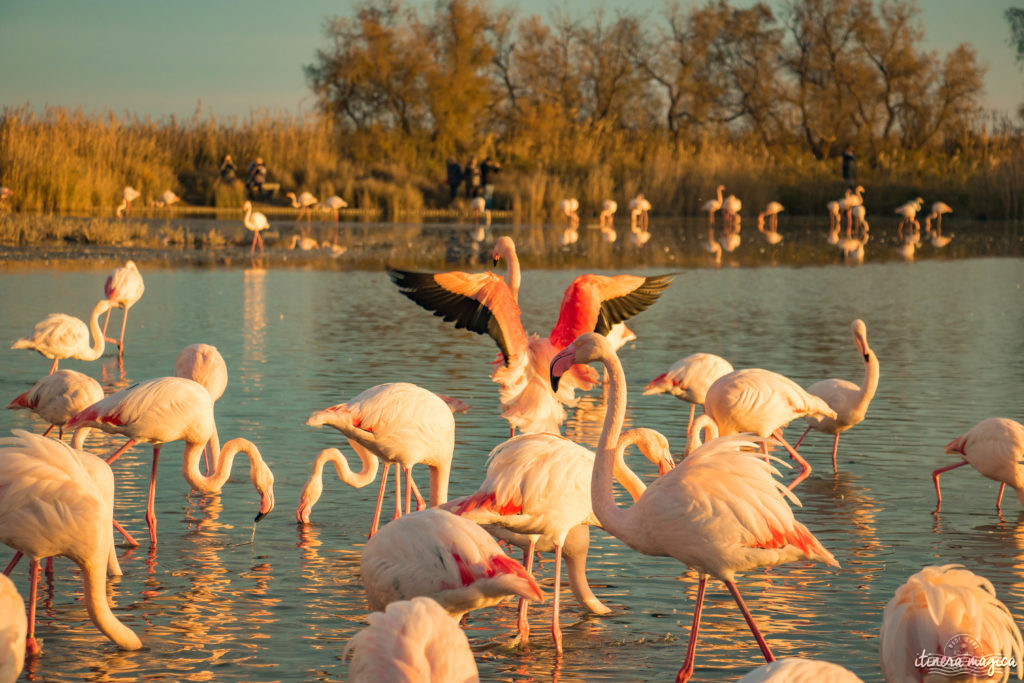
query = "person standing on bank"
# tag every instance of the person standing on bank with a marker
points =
(488, 170)
(454, 177)
(472, 176)
(227, 170)
(849, 167)
(257, 176)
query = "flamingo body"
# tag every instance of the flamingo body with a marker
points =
(798, 670)
(124, 287)
(995, 448)
(128, 195)
(167, 198)
(58, 397)
(13, 629)
(59, 336)
(255, 222)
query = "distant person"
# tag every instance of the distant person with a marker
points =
(488, 170)
(454, 177)
(256, 177)
(227, 170)
(471, 174)
(849, 166)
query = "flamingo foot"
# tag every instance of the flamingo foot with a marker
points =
(33, 646)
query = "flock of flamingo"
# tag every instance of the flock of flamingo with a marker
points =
(722, 510)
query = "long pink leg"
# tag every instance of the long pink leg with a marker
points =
(50, 429)
(119, 451)
(935, 478)
(524, 621)
(801, 439)
(150, 512)
(408, 489)
(53, 366)
(398, 492)
(691, 649)
(420, 503)
(32, 646)
(556, 629)
(13, 563)
(127, 536)
(750, 622)
(255, 236)
(795, 456)
(124, 323)
(380, 499)
(689, 425)
(105, 322)
(835, 449)
(999, 498)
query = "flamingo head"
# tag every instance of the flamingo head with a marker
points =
(860, 338)
(587, 348)
(329, 416)
(503, 248)
(310, 495)
(263, 480)
(20, 401)
(247, 207)
(957, 445)
(653, 445)
(659, 385)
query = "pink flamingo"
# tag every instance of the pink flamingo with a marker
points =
(128, 195)
(689, 379)
(123, 288)
(798, 670)
(50, 504)
(203, 363)
(771, 233)
(721, 511)
(994, 447)
(760, 402)
(58, 397)
(731, 207)
(848, 400)
(411, 636)
(713, 205)
(940, 604)
(909, 212)
(436, 554)
(304, 203)
(484, 303)
(63, 336)
(256, 222)
(607, 217)
(537, 485)
(13, 629)
(400, 423)
(168, 409)
(851, 199)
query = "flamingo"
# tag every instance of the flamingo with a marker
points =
(303, 203)
(13, 629)
(303, 243)
(721, 511)
(167, 409)
(730, 238)
(480, 211)
(124, 287)
(334, 204)
(689, 379)
(60, 336)
(760, 402)
(50, 505)
(203, 363)
(859, 213)
(638, 237)
(799, 670)
(731, 207)
(254, 221)
(638, 210)
(908, 211)
(713, 205)
(58, 397)
(570, 213)
(411, 640)
(128, 195)
(851, 199)
(947, 610)
(484, 303)
(167, 199)
(848, 400)
(771, 233)
(994, 447)
(938, 241)
(436, 554)
(853, 247)
(607, 216)
(538, 486)
(939, 208)
(401, 424)
(834, 219)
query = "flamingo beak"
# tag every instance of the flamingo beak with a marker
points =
(665, 464)
(266, 504)
(561, 363)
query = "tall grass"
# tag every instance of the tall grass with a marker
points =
(64, 161)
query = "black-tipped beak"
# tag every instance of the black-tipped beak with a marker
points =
(554, 382)
(494, 261)
(260, 516)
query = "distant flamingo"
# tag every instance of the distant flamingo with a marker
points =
(713, 205)
(334, 204)
(908, 211)
(834, 219)
(538, 486)
(124, 287)
(254, 221)
(848, 400)
(484, 303)
(410, 636)
(168, 409)
(60, 336)
(859, 223)
(480, 212)
(569, 209)
(937, 608)
(689, 379)
(303, 243)
(639, 208)
(938, 241)
(400, 423)
(167, 199)
(797, 670)
(203, 363)
(128, 195)
(58, 397)
(938, 209)
(13, 629)
(607, 217)
(731, 207)
(760, 402)
(770, 233)
(50, 505)
(436, 554)
(851, 199)
(304, 203)
(639, 237)
(994, 447)
(720, 511)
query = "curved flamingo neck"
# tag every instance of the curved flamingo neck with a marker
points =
(703, 422)
(720, 188)
(613, 518)
(95, 589)
(870, 383)
(98, 344)
(222, 465)
(355, 479)
(507, 251)
(621, 471)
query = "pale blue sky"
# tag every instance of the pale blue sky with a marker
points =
(161, 58)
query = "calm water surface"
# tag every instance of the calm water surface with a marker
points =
(211, 605)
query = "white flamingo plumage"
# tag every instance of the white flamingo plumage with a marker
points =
(713, 205)
(124, 287)
(908, 211)
(994, 447)
(59, 335)
(721, 511)
(851, 199)
(799, 670)
(168, 409)
(689, 379)
(436, 554)
(772, 210)
(486, 304)
(334, 204)
(58, 397)
(50, 505)
(934, 610)
(759, 402)
(607, 216)
(938, 209)
(401, 424)
(411, 640)
(256, 222)
(203, 363)
(848, 400)
(304, 203)
(639, 208)
(731, 207)
(128, 195)
(13, 629)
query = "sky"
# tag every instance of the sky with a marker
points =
(155, 59)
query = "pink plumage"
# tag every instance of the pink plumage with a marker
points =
(60, 336)
(13, 629)
(58, 397)
(798, 670)
(994, 447)
(689, 379)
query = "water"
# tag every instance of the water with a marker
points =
(210, 605)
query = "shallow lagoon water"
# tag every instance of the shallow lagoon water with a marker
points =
(217, 601)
